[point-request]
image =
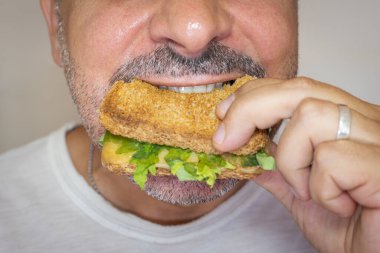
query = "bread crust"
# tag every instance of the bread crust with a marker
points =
(146, 113)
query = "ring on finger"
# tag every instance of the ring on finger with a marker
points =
(344, 126)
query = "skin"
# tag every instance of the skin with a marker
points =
(321, 180)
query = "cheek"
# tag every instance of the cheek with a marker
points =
(100, 36)
(272, 30)
(276, 40)
(101, 40)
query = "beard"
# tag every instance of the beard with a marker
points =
(166, 62)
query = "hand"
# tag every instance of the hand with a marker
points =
(331, 187)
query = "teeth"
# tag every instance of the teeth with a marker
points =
(218, 85)
(193, 89)
(210, 87)
(200, 89)
(185, 89)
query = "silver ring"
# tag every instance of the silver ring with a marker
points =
(344, 126)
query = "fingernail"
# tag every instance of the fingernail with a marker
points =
(225, 104)
(219, 134)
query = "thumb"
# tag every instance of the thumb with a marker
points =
(273, 182)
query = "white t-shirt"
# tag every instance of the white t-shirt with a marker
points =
(46, 206)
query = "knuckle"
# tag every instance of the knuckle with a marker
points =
(322, 194)
(301, 83)
(322, 154)
(309, 109)
(305, 82)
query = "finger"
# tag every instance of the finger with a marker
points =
(315, 121)
(345, 173)
(247, 111)
(296, 146)
(273, 182)
(223, 107)
(261, 106)
(267, 104)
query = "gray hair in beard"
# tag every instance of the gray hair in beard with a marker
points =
(165, 61)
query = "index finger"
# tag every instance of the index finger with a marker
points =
(263, 103)
(259, 104)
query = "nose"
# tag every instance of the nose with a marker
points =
(190, 25)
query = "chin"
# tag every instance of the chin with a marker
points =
(186, 193)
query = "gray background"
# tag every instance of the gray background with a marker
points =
(339, 44)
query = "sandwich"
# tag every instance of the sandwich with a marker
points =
(160, 132)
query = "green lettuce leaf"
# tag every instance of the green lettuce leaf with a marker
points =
(140, 175)
(250, 161)
(177, 154)
(101, 139)
(265, 161)
(185, 174)
(145, 157)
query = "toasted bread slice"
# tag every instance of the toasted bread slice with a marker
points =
(146, 113)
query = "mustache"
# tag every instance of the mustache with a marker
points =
(165, 61)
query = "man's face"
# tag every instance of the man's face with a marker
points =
(177, 42)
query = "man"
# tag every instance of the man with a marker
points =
(328, 175)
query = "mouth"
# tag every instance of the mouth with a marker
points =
(203, 86)
(196, 89)
(147, 143)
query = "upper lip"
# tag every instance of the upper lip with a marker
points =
(187, 81)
